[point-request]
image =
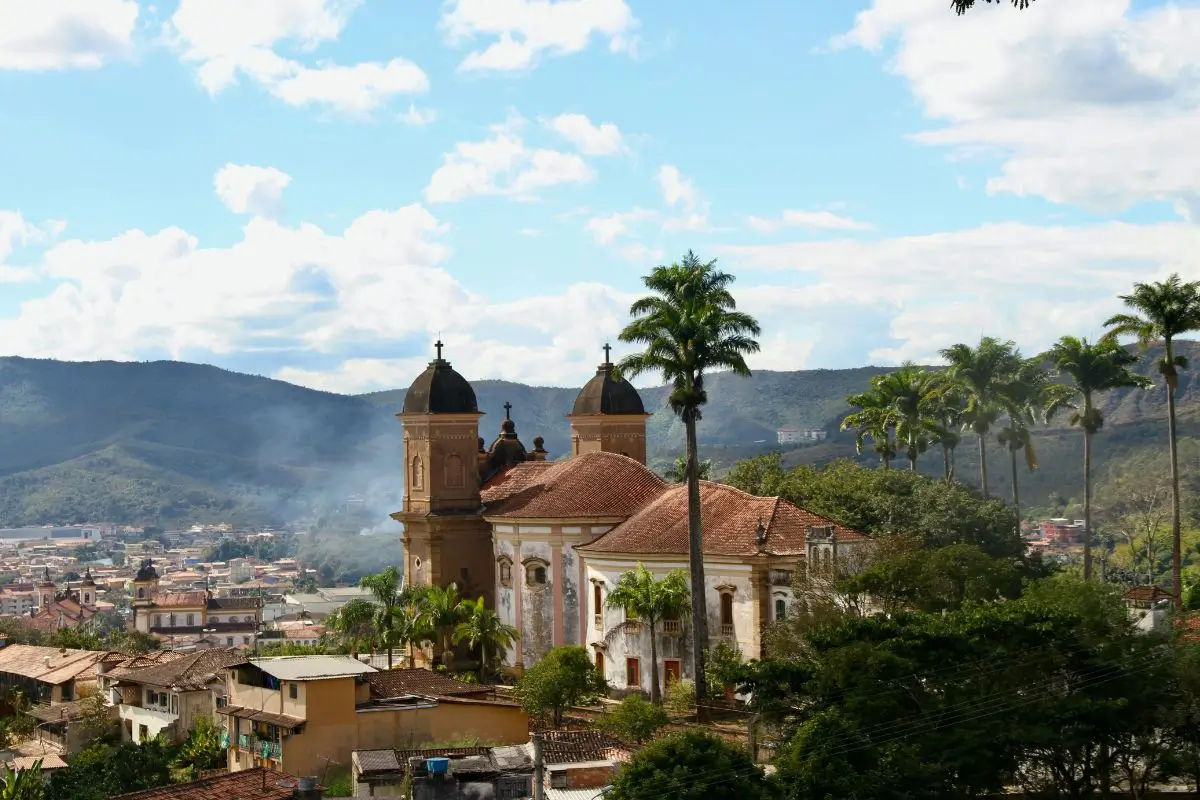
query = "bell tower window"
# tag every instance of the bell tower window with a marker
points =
(454, 471)
(418, 473)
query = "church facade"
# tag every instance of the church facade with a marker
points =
(543, 541)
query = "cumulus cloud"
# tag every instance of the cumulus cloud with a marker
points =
(524, 31)
(502, 164)
(65, 34)
(679, 192)
(225, 39)
(1106, 119)
(592, 140)
(246, 189)
(417, 116)
(812, 220)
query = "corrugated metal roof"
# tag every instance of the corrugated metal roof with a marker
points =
(309, 668)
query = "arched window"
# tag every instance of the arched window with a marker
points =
(536, 573)
(726, 613)
(455, 476)
(418, 473)
(780, 608)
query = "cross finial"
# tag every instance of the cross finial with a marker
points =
(438, 345)
(507, 409)
(607, 350)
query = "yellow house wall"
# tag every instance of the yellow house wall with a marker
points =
(331, 733)
(406, 728)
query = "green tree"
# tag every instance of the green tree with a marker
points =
(946, 408)
(677, 472)
(875, 419)
(914, 393)
(482, 628)
(634, 720)
(76, 639)
(385, 587)
(1165, 310)
(1087, 370)
(353, 623)
(22, 784)
(104, 770)
(691, 766)
(563, 677)
(1026, 398)
(202, 749)
(651, 601)
(689, 326)
(444, 609)
(982, 373)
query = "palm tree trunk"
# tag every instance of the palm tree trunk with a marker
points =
(1173, 442)
(912, 459)
(696, 562)
(983, 464)
(1016, 489)
(946, 462)
(952, 466)
(1087, 505)
(654, 693)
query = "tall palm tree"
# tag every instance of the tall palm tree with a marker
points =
(947, 409)
(689, 326)
(1026, 399)
(875, 419)
(651, 601)
(981, 373)
(444, 610)
(1087, 370)
(354, 623)
(412, 625)
(1164, 310)
(913, 393)
(483, 628)
(386, 588)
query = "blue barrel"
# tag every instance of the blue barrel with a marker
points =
(437, 766)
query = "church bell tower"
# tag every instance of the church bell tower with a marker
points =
(446, 539)
(608, 416)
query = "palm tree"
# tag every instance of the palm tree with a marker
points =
(412, 626)
(981, 373)
(913, 393)
(1164, 310)
(1026, 398)
(444, 610)
(947, 410)
(354, 623)
(690, 326)
(484, 629)
(875, 418)
(385, 587)
(1088, 370)
(651, 601)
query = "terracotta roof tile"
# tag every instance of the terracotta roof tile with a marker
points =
(49, 664)
(1146, 594)
(729, 518)
(249, 784)
(586, 486)
(573, 747)
(399, 682)
(190, 673)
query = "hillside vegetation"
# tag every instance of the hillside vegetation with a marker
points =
(170, 442)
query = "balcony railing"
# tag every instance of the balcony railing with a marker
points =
(671, 627)
(598, 621)
(727, 630)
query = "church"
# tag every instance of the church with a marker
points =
(543, 540)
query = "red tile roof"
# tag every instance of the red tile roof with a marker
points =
(729, 519)
(592, 485)
(400, 682)
(193, 672)
(1146, 594)
(249, 784)
(573, 747)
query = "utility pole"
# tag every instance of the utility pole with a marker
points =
(539, 768)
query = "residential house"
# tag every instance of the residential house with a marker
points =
(169, 698)
(251, 784)
(572, 761)
(302, 713)
(48, 675)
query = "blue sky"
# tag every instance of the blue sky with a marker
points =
(315, 189)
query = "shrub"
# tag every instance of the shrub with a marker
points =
(681, 696)
(634, 720)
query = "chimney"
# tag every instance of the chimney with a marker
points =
(307, 788)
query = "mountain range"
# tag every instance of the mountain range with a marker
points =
(170, 442)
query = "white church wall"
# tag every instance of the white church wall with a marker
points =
(537, 600)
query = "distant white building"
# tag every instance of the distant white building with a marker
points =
(798, 435)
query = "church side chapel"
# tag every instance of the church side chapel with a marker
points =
(544, 540)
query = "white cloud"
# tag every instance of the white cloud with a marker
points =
(65, 34)
(680, 192)
(605, 229)
(526, 30)
(503, 164)
(228, 38)
(246, 189)
(1106, 120)
(417, 116)
(812, 220)
(592, 140)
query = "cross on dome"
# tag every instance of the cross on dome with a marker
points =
(507, 410)
(607, 350)
(438, 345)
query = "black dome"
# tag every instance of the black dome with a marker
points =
(608, 394)
(147, 572)
(440, 390)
